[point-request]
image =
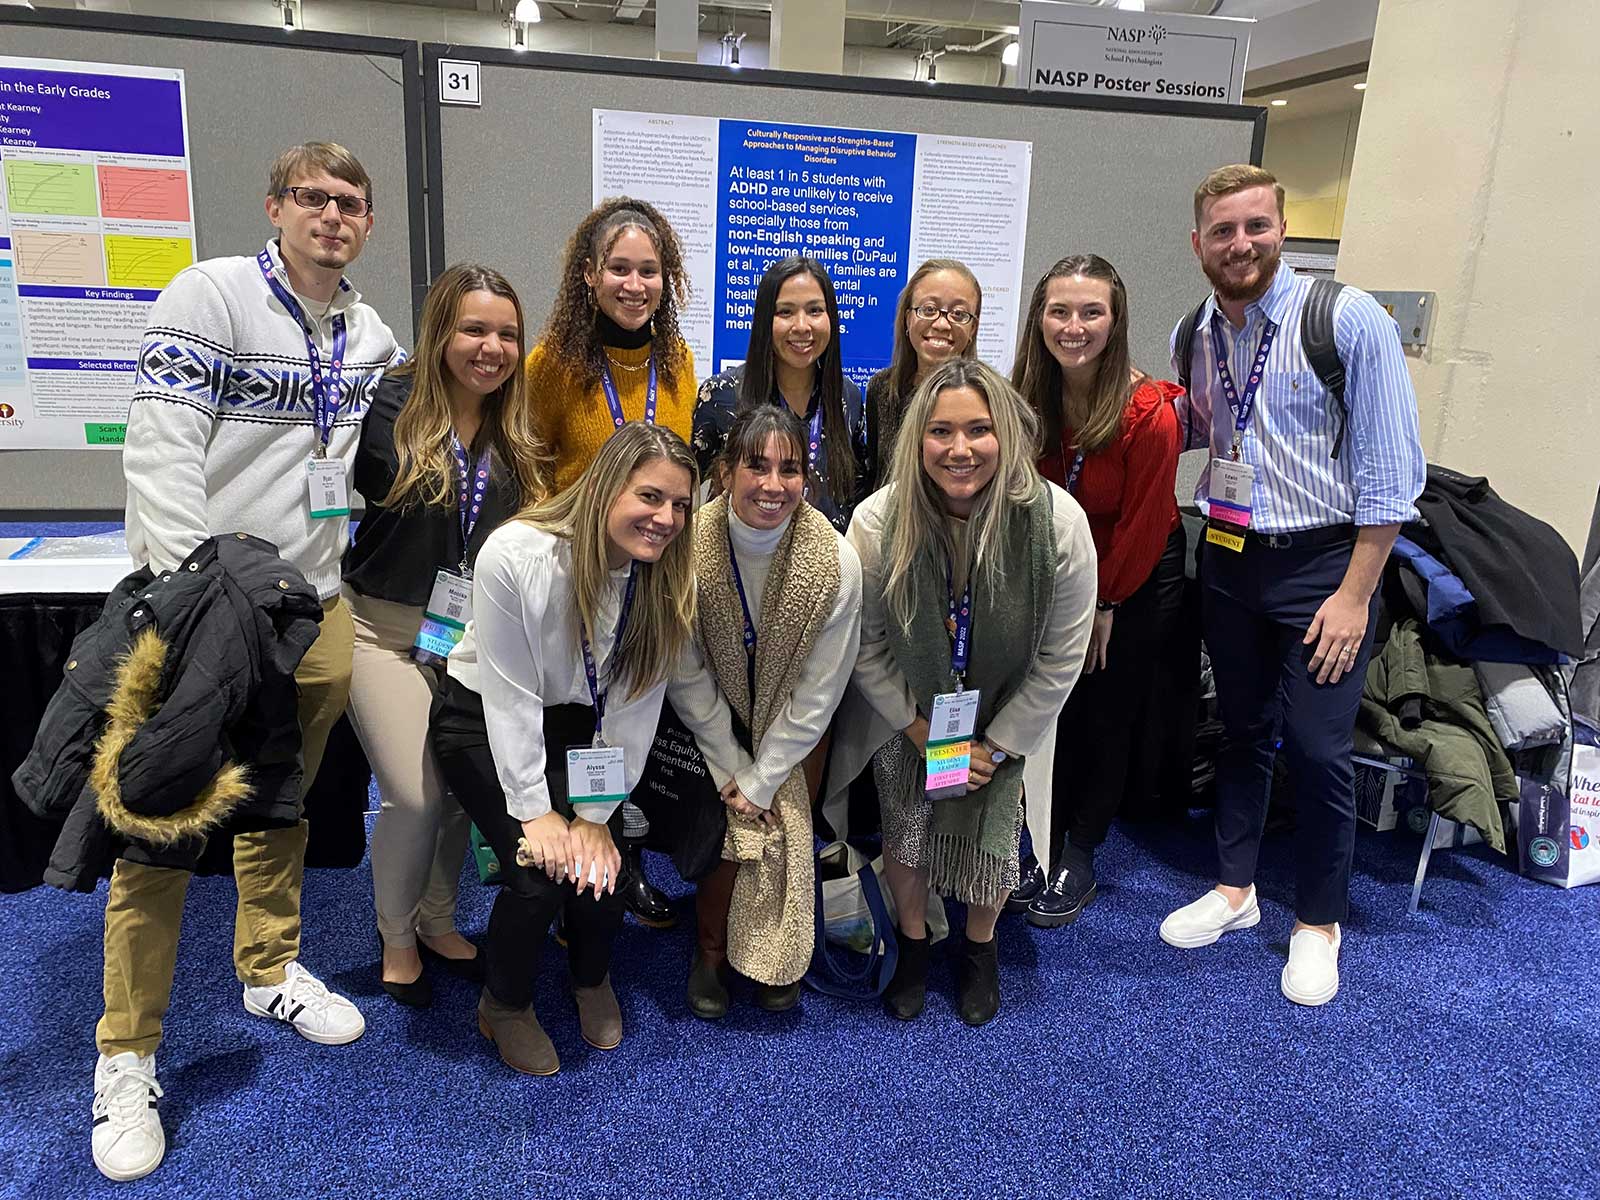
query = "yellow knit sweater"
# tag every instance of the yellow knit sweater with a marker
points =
(575, 420)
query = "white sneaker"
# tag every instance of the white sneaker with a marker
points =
(128, 1140)
(1207, 919)
(305, 1002)
(1311, 976)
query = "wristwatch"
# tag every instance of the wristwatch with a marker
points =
(1105, 606)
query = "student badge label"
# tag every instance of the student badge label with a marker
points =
(444, 620)
(327, 488)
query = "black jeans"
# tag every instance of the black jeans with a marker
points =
(1101, 728)
(1257, 607)
(529, 899)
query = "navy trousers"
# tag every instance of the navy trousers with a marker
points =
(1256, 606)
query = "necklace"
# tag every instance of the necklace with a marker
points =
(631, 368)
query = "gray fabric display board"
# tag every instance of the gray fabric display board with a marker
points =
(512, 178)
(251, 91)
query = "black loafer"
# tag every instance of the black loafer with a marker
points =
(1030, 885)
(462, 968)
(775, 997)
(1071, 890)
(416, 994)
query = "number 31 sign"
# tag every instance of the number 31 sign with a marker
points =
(458, 82)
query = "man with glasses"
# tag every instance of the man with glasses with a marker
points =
(252, 380)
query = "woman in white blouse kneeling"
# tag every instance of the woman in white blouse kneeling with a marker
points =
(581, 608)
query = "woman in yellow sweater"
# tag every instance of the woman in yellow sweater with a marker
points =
(612, 338)
(611, 353)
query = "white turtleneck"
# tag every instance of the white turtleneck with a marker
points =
(805, 714)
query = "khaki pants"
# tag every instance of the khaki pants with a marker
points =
(420, 838)
(144, 911)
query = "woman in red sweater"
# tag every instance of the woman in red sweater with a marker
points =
(1111, 439)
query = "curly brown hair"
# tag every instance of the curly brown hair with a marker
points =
(570, 333)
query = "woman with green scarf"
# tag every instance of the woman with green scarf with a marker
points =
(979, 583)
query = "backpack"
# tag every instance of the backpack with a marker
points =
(1316, 341)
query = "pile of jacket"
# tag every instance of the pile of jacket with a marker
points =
(1482, 608)
(177, 715)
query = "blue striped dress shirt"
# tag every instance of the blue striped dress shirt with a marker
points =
(1289, 440)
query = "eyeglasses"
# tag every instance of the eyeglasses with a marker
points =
(316, 199)
(931, 312)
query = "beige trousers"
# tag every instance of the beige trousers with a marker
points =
(420, 838)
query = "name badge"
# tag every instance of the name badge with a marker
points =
(327, 488)
(1231, 485)
(444, 620)
(950, 730)
(595, 781)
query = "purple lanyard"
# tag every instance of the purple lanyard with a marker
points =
(589, 672)
(1242, 406)
(473, 485)
(749, 625)
(814, 440)
(614, 402)
(959, 624)
(324, 389)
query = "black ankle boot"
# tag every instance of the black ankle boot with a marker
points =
(978, 980)
(708, 988)
(908, 990)
(647, 905)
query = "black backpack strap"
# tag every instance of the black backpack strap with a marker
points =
(1183, 349)
(1316, 340)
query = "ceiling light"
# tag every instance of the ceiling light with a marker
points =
(1279, 103)
(1131, 5)
(1010, 54)
(1360, 87)
(527, 12)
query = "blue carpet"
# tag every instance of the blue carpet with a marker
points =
(10, 529)
(1456, 1060)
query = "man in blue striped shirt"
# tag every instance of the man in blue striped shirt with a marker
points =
(1299, 526)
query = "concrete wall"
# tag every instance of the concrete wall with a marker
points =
(1476, 176)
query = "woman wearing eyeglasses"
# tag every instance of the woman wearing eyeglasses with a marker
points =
(1111, 439)
(794, 359)
(939, 311)
(611, 352)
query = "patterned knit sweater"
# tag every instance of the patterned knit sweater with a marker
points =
(221, 422)
(574, 418)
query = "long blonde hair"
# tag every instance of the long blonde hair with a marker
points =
(917, 506)
(426, 468)
(664, 596)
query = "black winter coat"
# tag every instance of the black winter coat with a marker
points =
(177, 714)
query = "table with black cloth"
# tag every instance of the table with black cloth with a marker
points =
(42, 608)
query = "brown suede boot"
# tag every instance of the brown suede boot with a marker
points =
(523, 1044)
(599, 1016)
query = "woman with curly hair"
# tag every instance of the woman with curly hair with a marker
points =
(611, 353)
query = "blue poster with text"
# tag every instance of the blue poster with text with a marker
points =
(840, 196)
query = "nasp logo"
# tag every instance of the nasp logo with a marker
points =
(1544, 851)
(7, 411)
(1579, 836)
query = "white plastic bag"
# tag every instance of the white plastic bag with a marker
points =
(844, 909)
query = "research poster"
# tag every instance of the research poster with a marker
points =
(96, 217)
(870, 205)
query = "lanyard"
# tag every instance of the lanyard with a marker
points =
(595, 693)
(324, 390)
(1242, 406)
(959, 625)
(749, 625)
(1072, 475)
(614, 402)
(472, 487)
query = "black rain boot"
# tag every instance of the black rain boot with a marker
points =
(908, 990)
(648, 906)
(708, 988)
(978, 980)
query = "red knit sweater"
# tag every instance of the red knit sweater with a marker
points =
(1127, 489)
